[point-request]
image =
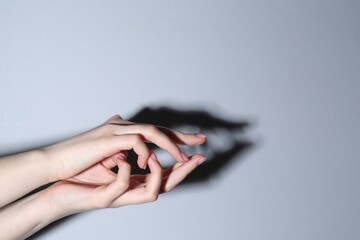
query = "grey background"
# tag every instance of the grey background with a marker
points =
(291, 68)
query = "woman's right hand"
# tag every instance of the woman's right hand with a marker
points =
(72, 156)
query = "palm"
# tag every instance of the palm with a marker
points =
(80, 190)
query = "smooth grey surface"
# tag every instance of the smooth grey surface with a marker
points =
(290, 67)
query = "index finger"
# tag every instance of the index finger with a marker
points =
(155, 135)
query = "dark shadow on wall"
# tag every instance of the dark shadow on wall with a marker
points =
(218, 130)
(204, 122)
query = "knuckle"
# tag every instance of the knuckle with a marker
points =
(115, 205)
(136, 138)
(100, 204)
(117, 116)
(167, 189)
(152, 197)
(123, 185)
(152, 130)
(108, 127)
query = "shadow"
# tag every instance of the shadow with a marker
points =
(211, 168)
(171, 118)
(218, 158)
(205, 123)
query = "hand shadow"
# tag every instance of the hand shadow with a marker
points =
(217, 158)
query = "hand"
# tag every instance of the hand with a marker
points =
(98, 187)
(78, 153)
(81, 167)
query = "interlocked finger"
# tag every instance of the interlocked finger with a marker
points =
(153, 134)
(131, 141)
(105, 196)
(145, 194)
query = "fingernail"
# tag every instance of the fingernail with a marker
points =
(153, 156)
(122, 156)
(184, 157)
(200, 135)
(125, 153)
(201, 160)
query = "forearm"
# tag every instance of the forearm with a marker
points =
(26, 216)
(22, 173)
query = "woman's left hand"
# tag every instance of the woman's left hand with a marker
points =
(98, 187)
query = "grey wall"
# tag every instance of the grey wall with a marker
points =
(291, 68)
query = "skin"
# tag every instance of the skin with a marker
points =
(81, 167)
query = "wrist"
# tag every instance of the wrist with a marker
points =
(24, 217)
(42, 155)
(59, 203)
(53, 210)
(39, 163)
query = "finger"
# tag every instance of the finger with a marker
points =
(108, 146)
(155, 175)
(116, 143)
(178, 174)
(154, 135)
(176, 165)
(121, 184)
(172, 168)
(111, 162)
(130, 197)
(166, 172)
(141, 195)
(184, 138)
(142, 151)
(104, 196)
